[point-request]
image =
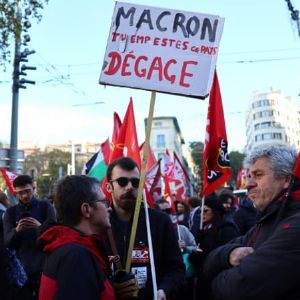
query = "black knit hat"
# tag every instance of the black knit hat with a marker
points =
(214, 203)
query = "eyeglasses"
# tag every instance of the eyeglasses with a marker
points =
(105, 202)
(25, 191)
(123, 181)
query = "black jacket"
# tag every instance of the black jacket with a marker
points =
(212, 238)
(25, 242)
(167, 257)
(271, 272)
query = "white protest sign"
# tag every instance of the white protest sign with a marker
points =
(162, 50)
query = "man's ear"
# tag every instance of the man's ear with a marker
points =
(85, 210)
(287, 181)
(109, 187)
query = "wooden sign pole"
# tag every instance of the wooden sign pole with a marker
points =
(142, 181)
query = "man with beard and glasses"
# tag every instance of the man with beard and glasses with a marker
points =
(265, 262)
(122, 182)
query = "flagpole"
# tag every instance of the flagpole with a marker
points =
(73, 158)
(142, 181)
(150, 245)
(201, 213)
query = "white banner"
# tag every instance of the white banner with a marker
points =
(162, 50)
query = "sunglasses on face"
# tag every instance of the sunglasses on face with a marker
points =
(25, 191)
(123, 181)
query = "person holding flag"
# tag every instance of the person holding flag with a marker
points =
(264, 263)
(123, 178)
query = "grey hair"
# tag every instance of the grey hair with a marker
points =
(281, 158)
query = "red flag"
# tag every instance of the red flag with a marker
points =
(9, 178)
(241, 178)
(151, 161)
(149, 198)
(296, 170)
(216, 164)
(180, 179)
(168, 194)
(127, 142)
(105, 148)
(116, 151)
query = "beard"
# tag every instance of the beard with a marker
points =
(127, 201)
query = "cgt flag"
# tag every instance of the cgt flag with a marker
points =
(216, 164)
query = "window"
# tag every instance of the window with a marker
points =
(256, 104)
(258, 138)
(278, 136)
(265, 124)
(265, 102)
(157, 123)
(161, 141)
(268, 136)
(267, 113)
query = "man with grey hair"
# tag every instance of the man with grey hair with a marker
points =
(265, 262)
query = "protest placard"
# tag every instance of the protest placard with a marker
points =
(162, 50)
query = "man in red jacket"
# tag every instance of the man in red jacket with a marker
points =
(76, 266)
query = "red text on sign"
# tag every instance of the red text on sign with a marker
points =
(142, 67)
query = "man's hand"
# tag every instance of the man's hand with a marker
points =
(161, 295)
(27, 222)
(237, 254)
(125, 285)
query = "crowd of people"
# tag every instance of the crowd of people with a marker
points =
(211, 248)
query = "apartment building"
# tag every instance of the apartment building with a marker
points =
(272, 118)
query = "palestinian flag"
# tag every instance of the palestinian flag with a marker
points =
(97, 165)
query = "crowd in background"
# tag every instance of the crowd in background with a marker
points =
(224, 217)
(217, 247)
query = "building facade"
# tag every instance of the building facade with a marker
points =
(272, 118)
(166, 134)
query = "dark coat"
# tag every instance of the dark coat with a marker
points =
(212, 238)
(169, 266)
(25, 242)
(246, 216)
(271, 272)
(209, 239)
